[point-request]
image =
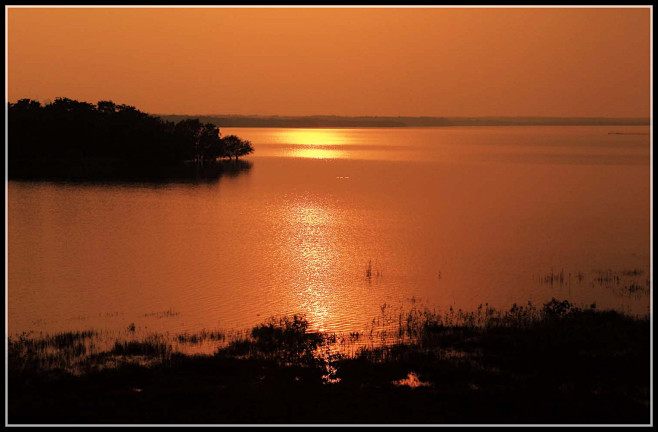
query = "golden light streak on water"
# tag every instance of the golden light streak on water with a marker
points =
(323, 137)
(315, 143)
(318, 153)
(311, 247)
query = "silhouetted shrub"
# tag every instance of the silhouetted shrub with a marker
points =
(556, 308)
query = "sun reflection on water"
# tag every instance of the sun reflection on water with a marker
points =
(321, 137)
(316, 143)
(312, 251)
(317, 153)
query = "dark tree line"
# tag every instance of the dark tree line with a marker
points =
(73, 136)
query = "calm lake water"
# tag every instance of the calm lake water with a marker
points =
(334, 223)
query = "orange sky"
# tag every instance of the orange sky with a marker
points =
(435, 62)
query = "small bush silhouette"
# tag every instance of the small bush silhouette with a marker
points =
(557, 308)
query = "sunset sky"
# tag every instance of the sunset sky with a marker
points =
(342, 61)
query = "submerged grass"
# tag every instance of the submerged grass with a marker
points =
(153, 346)
(551, 364)
(200, 337)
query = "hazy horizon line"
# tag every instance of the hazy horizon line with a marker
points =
(412, 116)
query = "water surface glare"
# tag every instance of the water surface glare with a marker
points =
(333, 223)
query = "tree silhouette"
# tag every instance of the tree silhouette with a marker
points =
(236, 147)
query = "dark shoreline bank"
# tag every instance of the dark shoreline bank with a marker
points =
(557, 365)
(113, 171)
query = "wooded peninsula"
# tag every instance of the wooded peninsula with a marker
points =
(73, 140)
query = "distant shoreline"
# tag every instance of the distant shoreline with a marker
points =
(401, 122)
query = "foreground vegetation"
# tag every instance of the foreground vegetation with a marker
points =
(555, 364)
(68, 139)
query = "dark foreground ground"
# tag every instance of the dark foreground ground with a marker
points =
(558, 365)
